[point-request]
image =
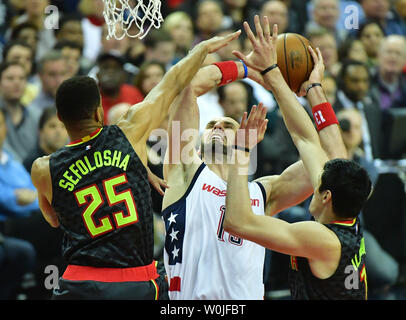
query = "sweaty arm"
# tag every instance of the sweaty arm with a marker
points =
(300, 239)
(147, 115)
(41, 178)
(306, 239)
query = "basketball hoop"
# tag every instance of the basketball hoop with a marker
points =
(122, 15)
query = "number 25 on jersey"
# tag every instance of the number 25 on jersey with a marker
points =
(92, 197)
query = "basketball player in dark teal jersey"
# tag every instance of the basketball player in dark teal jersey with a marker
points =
(328, 254)
(96, 188)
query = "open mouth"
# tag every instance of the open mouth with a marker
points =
(217, 137)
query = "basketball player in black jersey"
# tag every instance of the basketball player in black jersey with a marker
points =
(96, 188)
(328, 254)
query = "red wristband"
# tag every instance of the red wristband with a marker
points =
(324, 115)
(229, 70)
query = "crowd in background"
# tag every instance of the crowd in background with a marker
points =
(364, 49)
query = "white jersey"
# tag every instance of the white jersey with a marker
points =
(202, 260)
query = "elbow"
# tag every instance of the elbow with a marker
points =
(237, 227)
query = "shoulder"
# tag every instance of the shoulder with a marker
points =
(40, 168)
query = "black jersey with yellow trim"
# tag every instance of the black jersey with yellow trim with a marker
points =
(102, 196)
(349, 281)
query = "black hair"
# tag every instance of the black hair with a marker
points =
(65, 18)
(367, 23)
(156, 36)
(13, 43)
(47, 114)
(346, 64)
(77, 99)
(349, 184)
(70, 44)
(7, 64)
(20, 27)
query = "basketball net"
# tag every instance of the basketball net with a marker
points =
(121, 16)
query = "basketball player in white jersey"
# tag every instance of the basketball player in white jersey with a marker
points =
(203, 261)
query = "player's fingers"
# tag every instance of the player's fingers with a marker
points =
(314, 55)
(243, 120)
(258, 28)
(267, 28)
(232, 36)
(263, 127)
(251, 116)
(274, 34)
(319, 55)
(240, 55)
(249, 32)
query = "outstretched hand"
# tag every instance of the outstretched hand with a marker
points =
(216, 43)
(317, 74)
(252, 127)
(264, 45)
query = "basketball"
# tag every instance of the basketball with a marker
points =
(294, 59)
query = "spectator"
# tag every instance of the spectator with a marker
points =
(17, 198)
(209, 19)
(70, 29)
(72, 53)
(329, 85)
(326, 42)
(149, 76)
(21, 122)
(35, 14)
(400, 7)
(52, 71)
(371, 34)
(180, 26)
(233, 98)
(20, 52)
(389, 83)
(353, 92)
(159, 46)
(112, 77)
(381, 11)
(27, 32)
(326, 14)
(277, 13)
(352, 49)
(52, 136)
(383, 269)
(238, 11)
(92, 24)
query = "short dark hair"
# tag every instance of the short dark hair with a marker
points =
(367, 23)
(69, 44)
(14, 43)
(349, 185)
(346, 64)
(7, 64)
(47, 114)
(15, 32)
(77, 99)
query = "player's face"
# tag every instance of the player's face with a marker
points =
(219, 135)
(221, 130)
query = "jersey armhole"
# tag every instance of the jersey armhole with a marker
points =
(262, 191)
(189, 189)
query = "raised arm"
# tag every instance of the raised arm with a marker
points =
(306, 239)
(146, 116)
(279, 188)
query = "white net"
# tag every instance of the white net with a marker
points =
(131, 18)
